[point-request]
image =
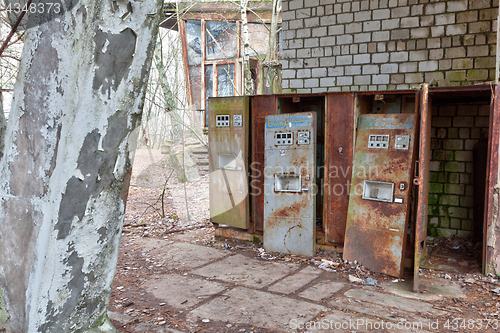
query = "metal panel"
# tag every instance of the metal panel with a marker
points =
(422, 180)
(289, 185)
(339, 131)
(491, 239)
(228, 183)
(262, 106)
(376, 232)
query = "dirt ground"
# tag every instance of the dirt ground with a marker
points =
(146, 218)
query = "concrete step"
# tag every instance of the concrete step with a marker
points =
(199, 152)
(190, 170)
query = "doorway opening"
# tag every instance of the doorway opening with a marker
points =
(457, 181)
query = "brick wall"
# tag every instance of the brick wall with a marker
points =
(455, 131)
(344, 45)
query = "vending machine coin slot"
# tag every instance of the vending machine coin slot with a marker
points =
(227, 162)
(378, 191)
(287, 183)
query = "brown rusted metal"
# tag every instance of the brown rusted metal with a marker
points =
(262, 106)
(491, 255)
(461, 94)
(228, 148)
(339, 131)
(376, 231)
(422, 181)
(386, 92)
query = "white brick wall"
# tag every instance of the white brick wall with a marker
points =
(341, 45)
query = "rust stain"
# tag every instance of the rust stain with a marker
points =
(288, 233)
(290, 211)
(381, 259)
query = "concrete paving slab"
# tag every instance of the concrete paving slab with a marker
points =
(379, 311)
(296, 281)
(246, 271)
(401, 303)
(182, 291)
(183, 256)
(257, 308)
(434, 290)
(322, 290)
(338, 321)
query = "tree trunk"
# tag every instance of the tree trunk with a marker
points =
(66, 164)
(247, 74)
(266, 71)
(3, 125)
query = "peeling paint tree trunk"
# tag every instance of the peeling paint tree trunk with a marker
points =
(67, 161)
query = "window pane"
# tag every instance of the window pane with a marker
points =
(209, 87)
(225, 77)
(259, 38)
(193, 38)
(195, 79)
(221, 40)
(280, 43)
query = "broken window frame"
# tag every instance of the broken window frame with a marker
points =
(237, 61)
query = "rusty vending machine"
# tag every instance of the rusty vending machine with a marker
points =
(289, 183)
(228, 129)
(377, 230)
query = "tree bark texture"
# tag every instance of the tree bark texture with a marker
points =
(66, 163)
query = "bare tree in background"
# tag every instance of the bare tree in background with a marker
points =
(11, 46)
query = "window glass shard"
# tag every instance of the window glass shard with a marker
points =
(221, 40)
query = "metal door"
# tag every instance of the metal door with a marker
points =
(422, 181)
(228, 145)
(379, 202)
(262, 106)
(491, 238)
(339, 129)
(289, 183)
